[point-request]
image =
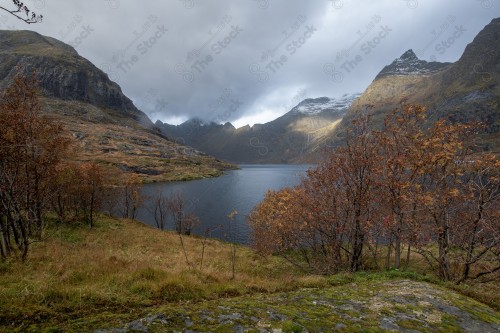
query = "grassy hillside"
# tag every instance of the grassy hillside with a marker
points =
(80, 279)
(120, 269)
(122, 143)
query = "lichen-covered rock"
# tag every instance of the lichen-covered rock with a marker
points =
(401, 306)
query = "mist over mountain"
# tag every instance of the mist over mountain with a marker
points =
(464, 91)
(283, 140)
(82, 96)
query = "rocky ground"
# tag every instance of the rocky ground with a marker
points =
(397, 306)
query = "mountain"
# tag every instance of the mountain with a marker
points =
(334, 107)
(62, 73)
(283, 140)
(409, 64)
(109, 128)
(464, 91)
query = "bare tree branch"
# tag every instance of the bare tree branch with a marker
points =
(21, 8)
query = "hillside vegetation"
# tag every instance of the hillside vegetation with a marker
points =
(78, 279)
(122, 268)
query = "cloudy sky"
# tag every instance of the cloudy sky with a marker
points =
(250, 61)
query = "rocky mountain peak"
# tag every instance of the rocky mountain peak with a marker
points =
(409, 64)
(409, 56)
(313, 106)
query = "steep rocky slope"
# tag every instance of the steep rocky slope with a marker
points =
(467, 90)
(409, 64)
(62, 73)
(110, 129)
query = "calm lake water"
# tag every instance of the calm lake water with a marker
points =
(213, 199)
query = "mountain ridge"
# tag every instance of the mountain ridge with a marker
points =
(409, 64)
(464, 91)
(54, 61)
(281, 140)
(105, 124)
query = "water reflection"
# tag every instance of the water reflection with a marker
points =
(213, 199)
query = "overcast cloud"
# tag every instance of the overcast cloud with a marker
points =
(250, 61)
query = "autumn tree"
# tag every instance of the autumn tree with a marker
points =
(278, 227)
(189, 222)
(176, 205)
(411, 183)
(323, 204)
(31, 149)
(131, 196)
(272, 222)
(183, 222)
(65, 189)
(438, 190)
(159, 207)
(357, 165)
(91, 189)
(326, 219)
(398, 179)
(477, 232)
(81, 189)
(479, 218)
(441, 161)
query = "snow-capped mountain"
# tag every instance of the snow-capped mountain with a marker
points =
(282, 140)
(314, 106)
(462, 92)
(409, 64)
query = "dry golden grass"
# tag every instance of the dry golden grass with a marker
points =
(122, 266)
(122, 270)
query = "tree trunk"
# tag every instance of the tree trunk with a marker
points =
(25, 240)
(60, 208)
(91, 217)
(375, 253)
(357, 247)
(444, 264)
(3, 239)
(15, 233)
(407, 263)
(38, 220)
(397, 248)
(388, 256)
(471, 245)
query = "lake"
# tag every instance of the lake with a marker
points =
(214, 198)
